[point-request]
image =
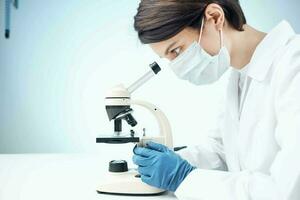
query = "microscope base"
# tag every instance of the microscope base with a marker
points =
(126, 183)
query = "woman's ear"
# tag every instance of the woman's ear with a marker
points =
(214, 14)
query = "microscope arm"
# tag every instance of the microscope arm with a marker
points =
(163, 122)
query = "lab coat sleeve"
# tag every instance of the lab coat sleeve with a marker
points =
(209, 153)
(283, 180)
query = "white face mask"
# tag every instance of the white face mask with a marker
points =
(197, 66)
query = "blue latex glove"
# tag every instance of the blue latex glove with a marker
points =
(160, 167)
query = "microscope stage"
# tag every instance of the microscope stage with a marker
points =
(117, 140)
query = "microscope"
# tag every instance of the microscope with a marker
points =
(118, 103)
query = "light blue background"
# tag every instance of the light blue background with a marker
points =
(63, 55)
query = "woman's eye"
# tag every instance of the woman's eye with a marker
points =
(176, 51)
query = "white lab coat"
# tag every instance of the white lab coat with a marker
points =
(254, 153)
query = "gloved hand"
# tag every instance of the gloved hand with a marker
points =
(160, 167)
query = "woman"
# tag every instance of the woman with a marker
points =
(253, 152)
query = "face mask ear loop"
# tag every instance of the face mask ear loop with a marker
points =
(201, 30)
(221, 38)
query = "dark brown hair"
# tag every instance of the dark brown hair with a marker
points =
(158, 20)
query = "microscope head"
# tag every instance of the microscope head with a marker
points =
(117, 100)
(117, 105)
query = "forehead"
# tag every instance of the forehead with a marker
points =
(180, 38)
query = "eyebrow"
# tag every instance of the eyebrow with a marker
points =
(169, 47)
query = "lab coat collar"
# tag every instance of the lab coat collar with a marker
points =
(265, 52)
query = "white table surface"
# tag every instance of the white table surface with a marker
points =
(55, 177)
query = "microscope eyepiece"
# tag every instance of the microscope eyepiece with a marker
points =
(155, 67)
